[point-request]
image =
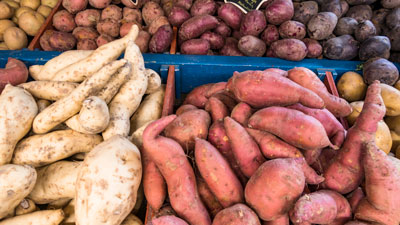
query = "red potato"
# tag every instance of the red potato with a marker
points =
(178, 16)
(207, 197)
(151, 11)
(321, 207)
(161, 40)
(87, 18)
(203, 7)
(99, 4)
(61, 41)
(253, 23)
(86, 44)
(111, 12)
(142, 41)
(231, 48)
(333, 127)
(279, 11)
(292, 29)
(245, 149)
(186, 4)
(126, 27)
(283, 220)
(168, 220)
(217, 109)
(216, 41)
(290, 49)
(131, 15)
(236, 215)
(294, 127)
(81, 33)
(314, 48)
(321, 26)
(44, 40)
(304, 11)
(268, 88)
(157, 23)
(196, 26)
(276, 185)
(218, 174)
(273, 147)
(177, 171)
(130, 4)
(64, 21)
(195, 47)
(74, 6)
(252, 46)
(223, 29)
(355, 197)
(345, 172)
(231, 15)
(197, 96)
(215, 88)
(188, 126)
(185, 108)
(270, 34)
(109, 27)
(104, 39)
(14, 73)
(308, 79)
(241, 113)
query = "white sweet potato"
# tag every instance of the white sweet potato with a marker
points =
(49, 90)
(43, 217)
(17, 111)
(154, 81)
(25, 206)
(55, 182)
(107, 194)
(132, 220)
(43, 149)
(16, 183)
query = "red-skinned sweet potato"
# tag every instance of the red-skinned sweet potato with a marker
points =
(269, 89)
(245, 149)
(173, 164)
(218, 174)
(217, 109)
(308, 79)
(345, 172)
(215, 88)
(197, 96)
(283, 220)
(294, 127)
(196, 26)
(236, 215)
(277, 71)
(189, 125)
(241, 113)
(279, 11)
(355, 197)
(276, 185)
(14, 73)
(208, 197)
(184, 108)
(168, 220)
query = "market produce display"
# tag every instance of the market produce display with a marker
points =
(249, 152)
(20, 19)
(55, 165)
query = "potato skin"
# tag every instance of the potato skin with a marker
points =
(178, 16)
(332, 6)
(62, 41)
(131, 15)
(87, 18)
(322, 25)
(360, 13)
(252, 46)
(161, 40)
(375, 46)
(345, 25)
(151, 11)
(111, 12)
(223, 29)
(351, 87)
(157, 23)
(389, 4)
(170, 219)
(203, 7)
(81, 33)
(290, 49)
(304, 11)
(231, 48)
(236, 215)
(364, 30)
(195, 47)
(103, 39)
(64, 21)
(99, 4)
(109, 27)
(74, 6)
(343, 48)
(196, 26)
(231, 15)
(216, 41)
(279, 11)
(270, 34)
(314, 48)
(253, 23)
(86, 44)
(380, 69)
(292, 29)
(126, 27)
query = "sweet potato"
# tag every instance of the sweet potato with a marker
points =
(279, 11)
(86, 44)
(360, 13)
(321, 207)
(320, 26)
(111, 12)
(355, 197)
(276, 185)
(292, 29)
(364, 30)
(264, 85)
(196, 26)
(308, 79)
(49, 90)
(231, 15)
(217, 109)
(171, 160)
(26, 206)
(178, 16)
(187, 127)
(223, 29)
(109, 27)
(64, 21)
(153, 82)
(168, 220)
(185, 108)
(376, 46)
(157, 23)
(380, 69)
(345, 172)
(231, 48)
(250, 159)
(207, 197)
(49, 217)
(241, 113)
(81, 33)
(62, 41)
(236, 215)
(197, 96)
(87, 18)
(380, 174)
(345, 25)
(270, 34)
(203, 7)
(290, 49)
(14, 73)
(342, 48)
(99, 4)
(253, 23)
(283, 220)
(217, 173)
(74, 6)
(304, 11)
(314, 48)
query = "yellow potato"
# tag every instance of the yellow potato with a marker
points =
(22, 10)
(33, 4)
(25, 207)
(154, 81)
(395, 140)
(31, 22)
(49, 3)
(132, 220)
(4, 25)
(351, 87)
(12, 3)
(3, 46)
(15, 184)
(49, 90)
(397, 85)
(43, 149)
(107, 184)
(391, 98)
(6, 11)
(15, 38)
(42, 217)
(393, 123)
(383, 138)
(357, 107)
(44, 10)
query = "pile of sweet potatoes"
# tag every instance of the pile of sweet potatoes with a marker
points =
(86, 25)
(266, 147)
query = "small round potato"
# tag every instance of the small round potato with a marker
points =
(380, 69)
(33, 4)
(391, 98)
(393, 123)
(15, 38)
(375, 46)
(345, 25)
(383, 138)
(6, 11)
(357, 107)
(4, 25)
(351, 86)
(49, 3)
(321, 25)
(252, 46)
(314, 48)
(31, 22)
(360, 13)
(44, 10)
(364, 30)
(64, 21)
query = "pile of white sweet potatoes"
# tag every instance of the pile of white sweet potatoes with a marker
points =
(266, 148)
(66, 150)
